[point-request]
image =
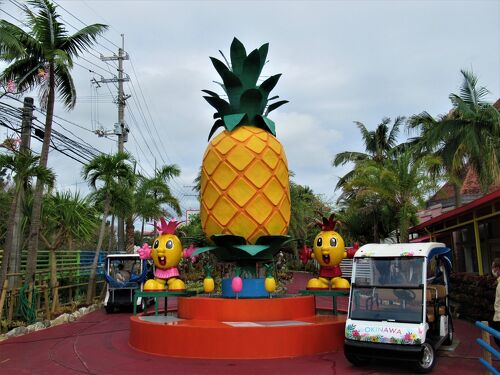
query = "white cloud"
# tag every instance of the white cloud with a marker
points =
(341, 61)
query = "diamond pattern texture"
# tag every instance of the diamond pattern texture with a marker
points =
(244, 183)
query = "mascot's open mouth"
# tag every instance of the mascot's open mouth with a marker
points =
(162, 260)
(326, 258)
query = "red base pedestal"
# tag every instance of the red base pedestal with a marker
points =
(219, 328)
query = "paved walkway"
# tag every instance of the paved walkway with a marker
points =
(98, 344)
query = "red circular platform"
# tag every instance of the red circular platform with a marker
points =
(239, 329)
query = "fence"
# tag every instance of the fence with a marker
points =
(73, 269)
(488, 350)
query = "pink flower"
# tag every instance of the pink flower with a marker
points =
(355, 333)
(187, 253)
(11, 86)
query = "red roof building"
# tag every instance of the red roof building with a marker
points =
(472, 231)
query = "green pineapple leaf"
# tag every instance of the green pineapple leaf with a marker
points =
(231, 80)
(237, 271)
(211, 93)
(247, 103)
(269, 83)
(232, 121)
(269, 270)
(217, 124)
(266, 123)
(275, 105)
(251, 69)
(221, 106)
(238, 55)
(263, 55)
(208, 271)
(250, 103)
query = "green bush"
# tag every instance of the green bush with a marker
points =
(473, 295)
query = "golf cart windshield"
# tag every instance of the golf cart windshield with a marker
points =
(387, 289)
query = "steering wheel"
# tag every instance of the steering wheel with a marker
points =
(405, 294)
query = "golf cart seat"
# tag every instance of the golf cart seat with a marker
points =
(436, 294)
(436, 291)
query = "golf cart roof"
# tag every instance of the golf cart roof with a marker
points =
(123, 256)
(422, 249)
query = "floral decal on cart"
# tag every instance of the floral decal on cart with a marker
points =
(407, 254)
(390, 335)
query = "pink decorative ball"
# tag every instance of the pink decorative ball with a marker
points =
(237, 284)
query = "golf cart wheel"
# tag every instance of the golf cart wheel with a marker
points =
(109, 309)
(449, 340)
(355, 359)
(428, 360)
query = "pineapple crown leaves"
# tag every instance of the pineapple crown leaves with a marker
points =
(269, 270)
(237, 271)
(208, 271)
(247, 103)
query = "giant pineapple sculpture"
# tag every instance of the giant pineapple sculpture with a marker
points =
(244, 176)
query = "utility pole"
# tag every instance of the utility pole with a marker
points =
(120, 128)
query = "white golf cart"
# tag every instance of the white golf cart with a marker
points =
(124, 273)
(398, 304)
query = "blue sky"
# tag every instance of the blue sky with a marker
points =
(342, 61)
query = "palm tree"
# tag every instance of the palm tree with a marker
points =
(24, 165)
(378, 144)
(154, 192)
(65, 217)
(467, 137)
(43, 56)
(402, 181)
(111, 171)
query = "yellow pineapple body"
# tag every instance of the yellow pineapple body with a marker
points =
(244, 185)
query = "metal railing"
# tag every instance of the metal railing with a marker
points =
(488, 350)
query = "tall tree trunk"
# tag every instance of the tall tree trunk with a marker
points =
(458, 196)
(38, 195)
(7, 251)
(404, 224)
(17, 236)
(17, 240)
(121, 234)
(53, 268)
(142, 231)
(93, 270)
(111, 234)
(130, 235)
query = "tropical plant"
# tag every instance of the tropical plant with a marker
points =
(43, 57)
(66, 217)
(110, 171)
(24, 165)
(467, 137)
(365, 217)
(191, 232)
(402, 181)
(152, 193)
(244, 178)
(378, 145)
(306, 208)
